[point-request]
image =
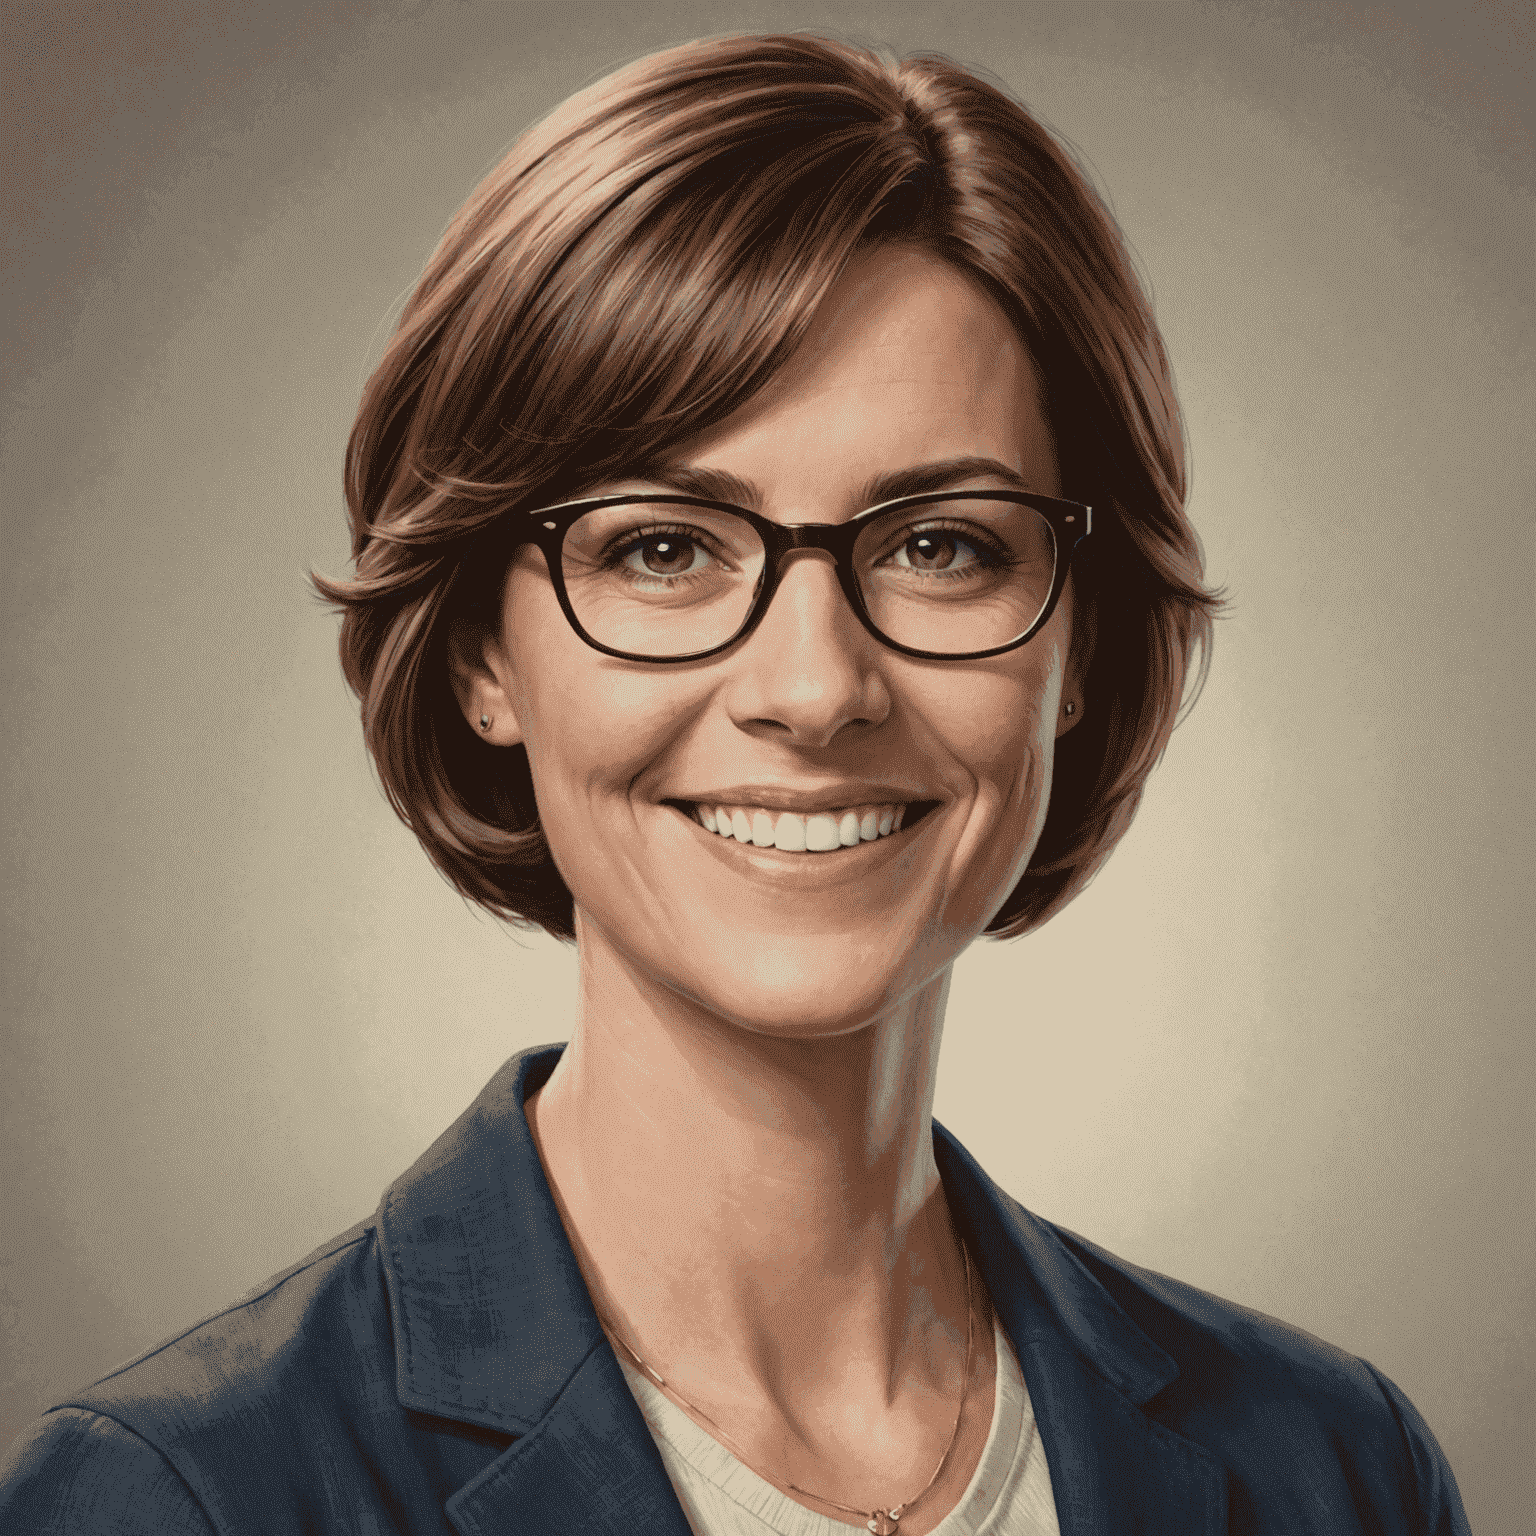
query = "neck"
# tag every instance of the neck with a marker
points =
(746, 1201)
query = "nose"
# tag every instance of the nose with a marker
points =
(809, 668)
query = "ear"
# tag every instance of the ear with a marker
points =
(482, 683)
(1085, 634)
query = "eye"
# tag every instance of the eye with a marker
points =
(941, 549)
(667, 552)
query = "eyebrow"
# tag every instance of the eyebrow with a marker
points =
(916, 480)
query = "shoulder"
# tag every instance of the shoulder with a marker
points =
(81, 1472)
(1217, 1344)
(1264, 1395)
(260, 1355)
(162, 1442)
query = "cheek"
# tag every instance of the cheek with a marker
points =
(590, 724)
(1000, 733)
(1024, 764)
(1000, 722)
(1012, 763)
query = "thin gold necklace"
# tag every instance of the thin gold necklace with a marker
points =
(881, 1521)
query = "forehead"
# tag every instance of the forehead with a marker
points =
(907, 362)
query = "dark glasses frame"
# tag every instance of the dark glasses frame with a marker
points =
(1070, 521)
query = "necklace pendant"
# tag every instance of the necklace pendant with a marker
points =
(883, 1522)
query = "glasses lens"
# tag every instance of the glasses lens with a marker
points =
(956, 576)
(656, 579)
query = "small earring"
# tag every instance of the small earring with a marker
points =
(485, 722)
(1070, 711)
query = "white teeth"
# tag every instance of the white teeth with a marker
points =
(822, 832)
(789, 833)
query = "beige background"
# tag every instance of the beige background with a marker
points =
(1281, 1048)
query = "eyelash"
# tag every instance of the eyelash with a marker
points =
(995, 555)
(621, 544)
(992, 555)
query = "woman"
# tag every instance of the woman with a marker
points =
(771, 573)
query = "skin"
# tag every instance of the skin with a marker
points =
(739, 1135)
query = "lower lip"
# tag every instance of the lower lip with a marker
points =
(792, 868)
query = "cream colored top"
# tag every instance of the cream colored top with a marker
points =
(1009, 1494)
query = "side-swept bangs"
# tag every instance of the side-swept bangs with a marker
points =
(637, 268)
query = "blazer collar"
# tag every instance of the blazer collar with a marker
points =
(492, 1318)
(493, 1326)
(1089, 1370)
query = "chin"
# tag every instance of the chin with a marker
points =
(811, 989)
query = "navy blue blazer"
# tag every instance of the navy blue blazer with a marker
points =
(440, 1367)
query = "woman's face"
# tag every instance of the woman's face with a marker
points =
(908, 364)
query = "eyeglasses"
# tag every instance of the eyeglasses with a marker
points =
(951, 576)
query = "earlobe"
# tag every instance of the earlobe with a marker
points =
(1085, 631)
(480, 677)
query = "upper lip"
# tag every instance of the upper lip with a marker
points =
(809, 801)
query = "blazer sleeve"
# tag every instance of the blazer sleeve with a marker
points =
(77, 1473)
(1437, 1507)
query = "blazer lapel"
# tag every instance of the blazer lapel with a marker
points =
(1089, 1369)
(493, 1326)
(589, 1465)
(1113, 1469)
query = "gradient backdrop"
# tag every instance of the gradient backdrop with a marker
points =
(1280, 1049)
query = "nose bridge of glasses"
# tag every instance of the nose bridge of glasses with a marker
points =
(832, 539)
(809, 544)
(805, 552)
(812, 618)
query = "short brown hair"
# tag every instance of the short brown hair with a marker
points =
(637, 268)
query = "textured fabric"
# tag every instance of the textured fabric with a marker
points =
(440, 1367)
(79, 1471)
(1009, 1493)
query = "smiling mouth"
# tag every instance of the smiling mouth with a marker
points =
(822, 832)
